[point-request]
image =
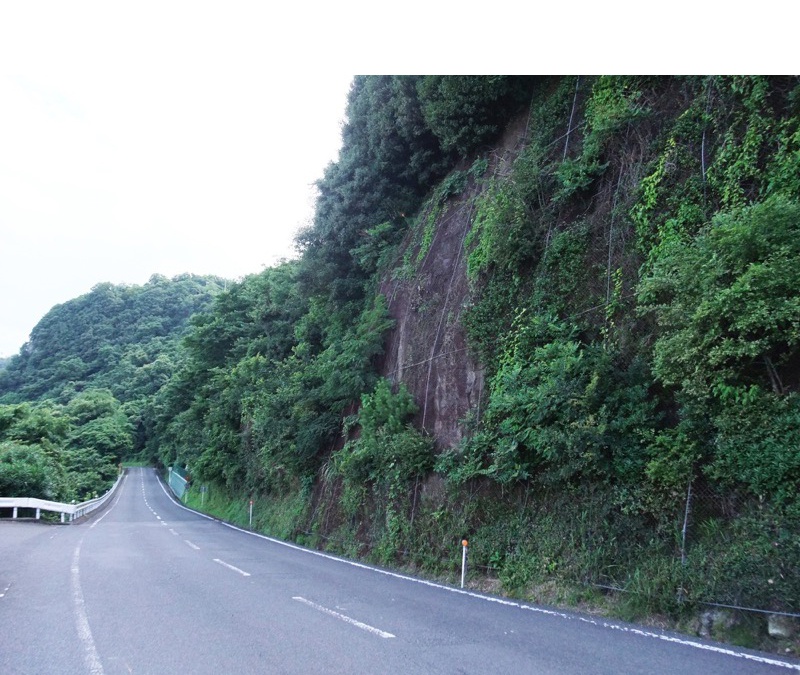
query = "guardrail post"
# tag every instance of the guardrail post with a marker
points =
(14, 515)
(38, 514)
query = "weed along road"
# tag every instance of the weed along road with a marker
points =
(146, 586)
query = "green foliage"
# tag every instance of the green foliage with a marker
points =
(26, 471)
(379, 245)
(734, 144)
(783, 172)
(559, 410)
(388, 447)
(700, 385)
(64, 452)
(752, 560)
(614, 104)
(452, 186)
(763, 453)
(738, 169)
(380, 464)
(675, 453)
(385, 409)
(727, 302)
(564, 273)
(467, 111)
(43, 424)
(269, 374)
(388, 161)
(500, 236)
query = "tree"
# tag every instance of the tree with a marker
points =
(25, 471)
(467, 111)
(727, 305)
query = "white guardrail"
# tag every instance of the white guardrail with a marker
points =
(74, 511)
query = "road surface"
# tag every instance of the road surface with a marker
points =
(147, 586)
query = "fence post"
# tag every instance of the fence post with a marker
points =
(686, 513)
(686, 521)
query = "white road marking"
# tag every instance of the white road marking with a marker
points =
(510, 603)
(194, 546)
(347, 619)
(231, 567)
(90, 654)
(116, 501)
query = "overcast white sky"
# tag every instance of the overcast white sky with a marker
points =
(160, 141)
(173, 136)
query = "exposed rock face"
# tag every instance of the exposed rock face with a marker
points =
(427, 349)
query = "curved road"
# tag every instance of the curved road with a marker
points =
(148, 586)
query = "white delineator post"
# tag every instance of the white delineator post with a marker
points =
(251, 513)
(464, 545)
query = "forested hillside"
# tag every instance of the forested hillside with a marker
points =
(560, 315)
(77, 398)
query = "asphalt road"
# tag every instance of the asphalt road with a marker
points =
(147, 586)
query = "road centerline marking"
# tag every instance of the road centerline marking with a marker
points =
(232, 567)
(194, 546)
(346, 619)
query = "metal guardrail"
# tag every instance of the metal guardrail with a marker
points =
(74, 511)
(178, 481)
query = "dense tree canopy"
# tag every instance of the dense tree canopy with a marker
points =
(63, 452)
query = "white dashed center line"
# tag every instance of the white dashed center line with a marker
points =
(346, 619)
(231, 567)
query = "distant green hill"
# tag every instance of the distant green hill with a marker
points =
(117, 337)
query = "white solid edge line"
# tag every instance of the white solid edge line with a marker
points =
(510, 603)
(347, 619)
(232, 567)
(91, 657)
(114, 503)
